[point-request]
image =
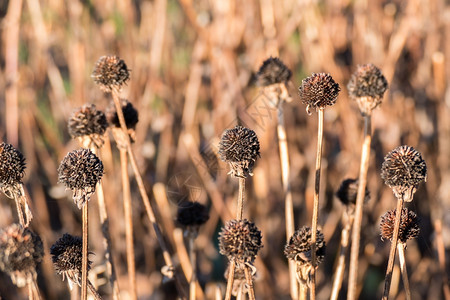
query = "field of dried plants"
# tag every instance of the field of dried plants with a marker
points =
(192, 75)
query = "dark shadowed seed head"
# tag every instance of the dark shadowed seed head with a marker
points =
(240, 148)
(240, 240)
(12, 166)
(80, 171)
(129, 113)
(87, 121)
(20, 252)
(110, 73)
(402, 170)
(318, 91)
(409, 225)
(272, 71)
(192, 214)
(299, 246)
(348, 191)
(67, 253)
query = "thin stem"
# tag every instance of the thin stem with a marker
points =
(315, 216)
(84, 265)
(128, 223)
(364, 166)
(401, 258)
(19, 210)
(230, 280)
(248, 278)
(390, 267)
(34, 289)
(192, 282)
(241, 198)
(93, 290)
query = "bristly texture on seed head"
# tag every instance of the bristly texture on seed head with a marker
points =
(409, 225)
(402, 170)
(87, 121)
(110, 73)
(12, 166)
(273, 71)
(80, 171)
(67, 254)
(240, 148)
(129, 113)
(367, 86)
(348, 191)
(192, 214)
(20, 252)
(318, 91)
(240, 240)
(298, 247)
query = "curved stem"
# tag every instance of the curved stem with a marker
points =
(401, 258)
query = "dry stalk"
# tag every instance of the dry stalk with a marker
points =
(249, 280)
(401, 258)
(192, 257)
(85, 253)
(232, 267)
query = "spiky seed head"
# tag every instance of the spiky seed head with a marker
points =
(348, 191)
(367, 86)
(273, 71)
(87, 121)
(409, 225)
(21, 251)
(192, 214)
(402, 170)
(240, 148)
(67, 256)
(240, 240)
(12, 166)
(298, 247)
(110, 73)
(318, 91)
(129, 113)
(80, 171)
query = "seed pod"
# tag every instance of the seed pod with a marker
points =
(88, 122)
(130, 115)
(409, 227)
(110, 73)
(299, 246)
(12, 166)
(272, 71)
(192, 214)
(348, 191)
(318, 91)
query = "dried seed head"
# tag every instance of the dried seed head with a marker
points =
(273, 71)
(240, 240)
(87, 121)
(67, 254)
(192, 214)
(367, 86)
(240, 148)
(318, 91)
(12, 166)
(402, 170)
(110, 73)
(409, 225)
(20, 252)
(80, 171)
(129, 113)
(299, 246)
(348, 191)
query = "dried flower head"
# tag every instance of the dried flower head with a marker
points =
(240, 148)
(67, 254)
(12, 166)
(192, 214)
(273, 71)
(80, 171)
(367, 86)
(299, 246)
(348, 191)
(110, 73)
(20, 252)
(240, 240)
(89, 122)
(129, 113)
(409, 225)
(402, 170)
(318, 91)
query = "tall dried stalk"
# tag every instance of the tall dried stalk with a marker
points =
(85, 253)
(192, 257)
(231, 270)
(401, 257)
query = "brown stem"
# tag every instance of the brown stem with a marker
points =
(315, 216)
(248, 278)
(230, 280)
(84, 265)
(192, 257)
(241, 199)
(401, 258)
(93, 290)
(364, 166)
(19, 209)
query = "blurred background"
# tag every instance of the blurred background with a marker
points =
(193, 66)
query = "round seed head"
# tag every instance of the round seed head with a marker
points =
(409, 225)
(129, 113)
(80, 171)
(272, 71)
(67, 254)
(110, 73)
(240, 148)
(367, 86)
(240, 240)
(402, 170)
(87, 121)
(20, 252)
(318, 91)
(299, 246)
(348, 191)
(192, 214)
(12, 166)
